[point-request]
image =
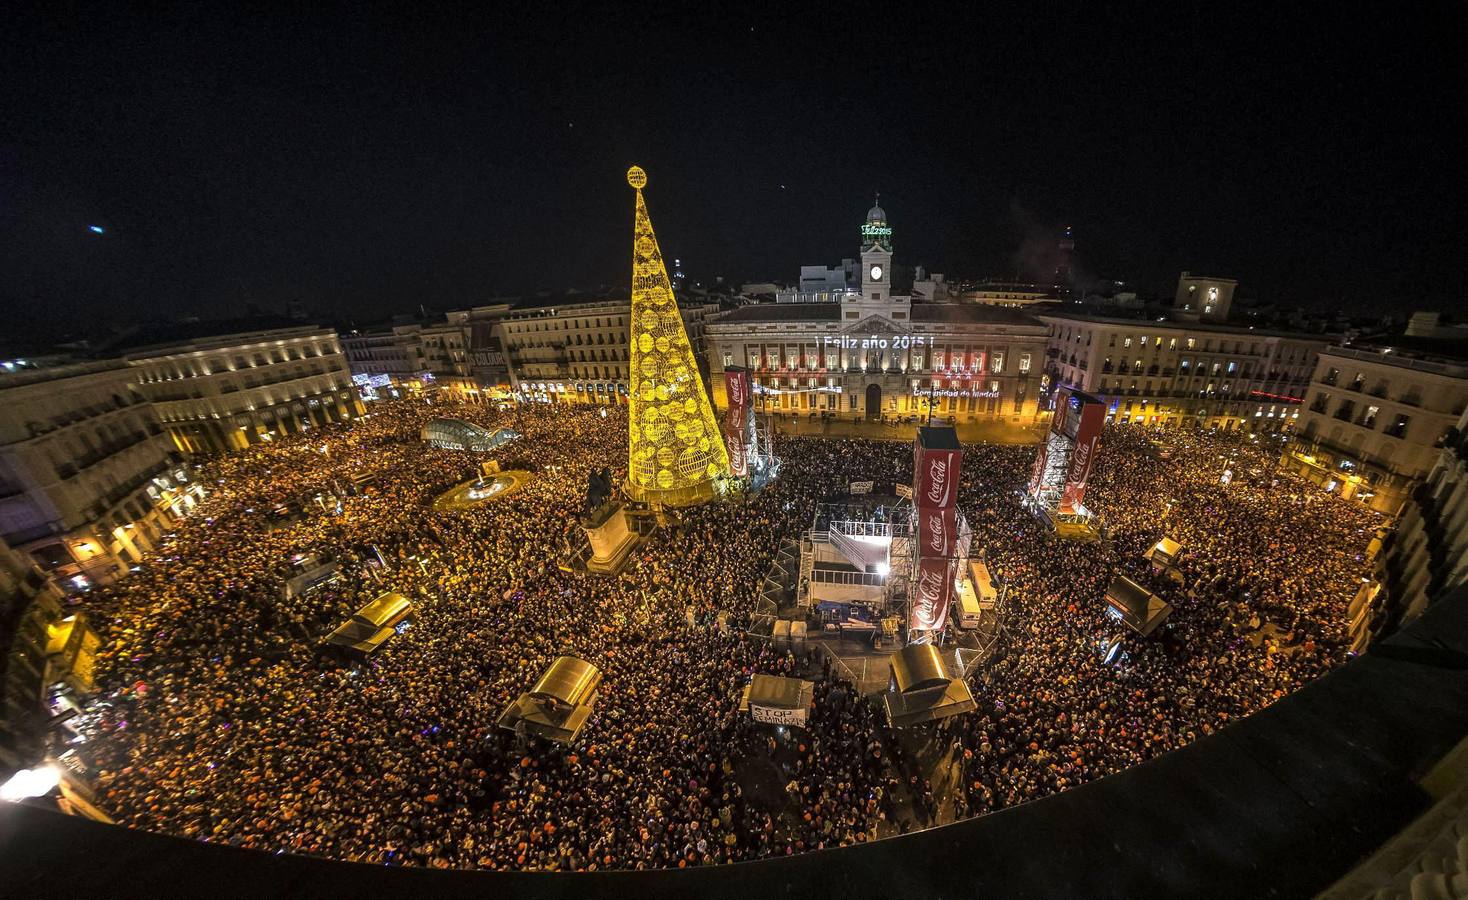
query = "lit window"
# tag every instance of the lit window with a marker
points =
(1024, 362)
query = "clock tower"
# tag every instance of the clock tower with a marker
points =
(876, 256)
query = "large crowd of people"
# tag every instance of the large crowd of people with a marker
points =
(222, 720)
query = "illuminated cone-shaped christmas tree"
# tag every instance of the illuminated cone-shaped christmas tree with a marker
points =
(676, 455)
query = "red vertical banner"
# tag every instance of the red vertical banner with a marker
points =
(931, 593)
(1042, 455)
(1088, 439)
(937, 461)
(739, 394)
(938, 532)
(1063, 404)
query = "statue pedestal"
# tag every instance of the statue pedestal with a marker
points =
(611, 538)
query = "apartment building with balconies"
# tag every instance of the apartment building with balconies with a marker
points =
(1376, 416)
(572, 349)
(89, 481)
(226, 392)
(1184, 373)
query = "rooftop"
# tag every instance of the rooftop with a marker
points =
(1445, 350)
(565, 298)
(781, 312)
(1444, 359)
(968, 313)
(169, 334)
(545, 303)
(1218, 327)
(960, 314)
(40, 374)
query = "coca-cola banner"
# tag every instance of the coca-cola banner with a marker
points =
(937, 459)
(1042, 455)
(738, 453)
(930, 594)
(1088, 439)
(739, 393)
(1064, 407)
(938, 532)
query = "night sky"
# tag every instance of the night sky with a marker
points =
(366, 163)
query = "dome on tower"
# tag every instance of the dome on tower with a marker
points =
(876, 214)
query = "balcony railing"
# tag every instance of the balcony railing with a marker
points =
(110, 449)
(35, 533)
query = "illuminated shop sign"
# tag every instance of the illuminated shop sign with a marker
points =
(953, 392)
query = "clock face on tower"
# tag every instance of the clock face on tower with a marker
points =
(876, 273)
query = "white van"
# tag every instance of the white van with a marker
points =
(976, 596)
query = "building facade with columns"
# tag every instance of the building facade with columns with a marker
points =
(89, 481)
(227, 392)
(876, 354)
(1195, 374)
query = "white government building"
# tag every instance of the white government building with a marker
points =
(873, 353)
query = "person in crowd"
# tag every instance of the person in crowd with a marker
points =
(220, 719)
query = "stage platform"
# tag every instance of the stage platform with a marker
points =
(1070, 528)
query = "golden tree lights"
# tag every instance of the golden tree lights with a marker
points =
(676, 454)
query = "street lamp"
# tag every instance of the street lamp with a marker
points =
(28, 783)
